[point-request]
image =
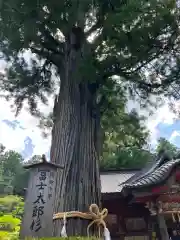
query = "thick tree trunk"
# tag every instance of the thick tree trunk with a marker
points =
(73, 147)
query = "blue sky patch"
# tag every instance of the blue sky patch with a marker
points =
(166, 131)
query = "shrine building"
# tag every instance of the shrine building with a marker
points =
(143, 204)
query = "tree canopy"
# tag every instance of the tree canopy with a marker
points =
(125, 141)
(127, 39)
(78, 47)
(164, 145)
(13, 177)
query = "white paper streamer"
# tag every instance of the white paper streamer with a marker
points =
(107, 235)
(63, 231)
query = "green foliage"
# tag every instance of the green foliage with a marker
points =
(169, 148)
(127, 158)
(132, 36)
(16, 237)
(136, 41)
(134, 157)
(11, 208)
(9, 235)
(125, 138)
(9, 227)
(13, 177)
(11, 204)
(34, 159)
(4, 235)
(9, 223)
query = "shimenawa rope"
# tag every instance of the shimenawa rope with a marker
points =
(94, 214)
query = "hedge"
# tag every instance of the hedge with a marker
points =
(15, 237)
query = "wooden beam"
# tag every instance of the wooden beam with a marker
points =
(162, 227)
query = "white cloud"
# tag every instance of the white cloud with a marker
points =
(14, 139)
(174, 135)
(163, 115)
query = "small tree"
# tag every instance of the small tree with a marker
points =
(13, 177)
(166, 146)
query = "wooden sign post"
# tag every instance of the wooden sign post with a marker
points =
(38, 215)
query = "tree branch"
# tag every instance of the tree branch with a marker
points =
(105, 8)
(100, 18)
(116, 69)
(50, 43)
(95, 27)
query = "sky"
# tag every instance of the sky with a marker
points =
(164, 123)
(23, 134)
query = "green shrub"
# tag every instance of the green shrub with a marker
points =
(12, 205)
(9, 223)
(3, 235)
(16, 237)
(9, 236)
(7, 203)
(11, 211)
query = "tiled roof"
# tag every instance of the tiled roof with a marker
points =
(152, 177)
(111, 180)
(149, 168)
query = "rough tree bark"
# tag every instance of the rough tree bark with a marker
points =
(74, 145)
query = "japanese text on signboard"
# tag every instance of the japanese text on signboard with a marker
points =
(38, 204)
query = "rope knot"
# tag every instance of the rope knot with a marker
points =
(94, 214)
(97, 216)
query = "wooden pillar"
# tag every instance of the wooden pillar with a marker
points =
(158, 223)
(38, 213)
(162, 227)
(154, 232)
(121, 226)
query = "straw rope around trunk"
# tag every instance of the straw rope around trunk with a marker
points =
(94, 214)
